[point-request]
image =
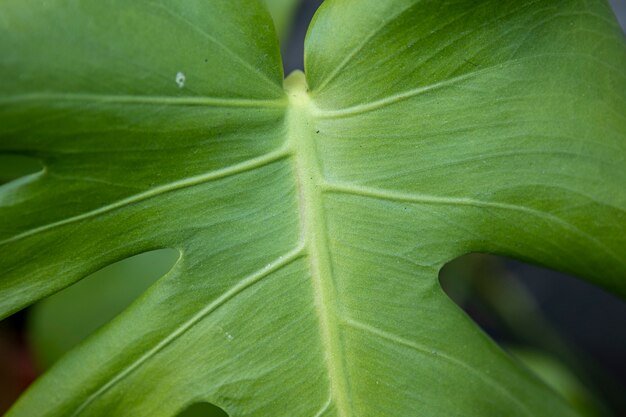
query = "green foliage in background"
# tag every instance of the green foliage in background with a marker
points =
(311, 218)
(560, 378)
(54, 326)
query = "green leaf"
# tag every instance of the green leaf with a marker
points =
(13, 167)
(55, 328)
(312, 221)
(282, 12)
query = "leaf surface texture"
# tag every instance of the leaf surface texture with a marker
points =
(311, 218)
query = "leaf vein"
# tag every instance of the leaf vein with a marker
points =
(390, 337)
(237, 289)
(398, 196)
(222, 173)
(362, 108)
(137, 99)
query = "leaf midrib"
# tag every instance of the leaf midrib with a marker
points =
(313, 233)
(310, 184)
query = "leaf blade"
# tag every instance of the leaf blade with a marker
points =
(339, 206)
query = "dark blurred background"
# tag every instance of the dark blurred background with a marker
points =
(571, 333)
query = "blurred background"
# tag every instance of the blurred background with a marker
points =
(573, 335)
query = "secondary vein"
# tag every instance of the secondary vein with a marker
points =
(248, 165)
(237, 289)
(408, 197)
(138, 99)
(479, 373)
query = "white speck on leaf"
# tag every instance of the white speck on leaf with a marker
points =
(180, 79)
(229, 336)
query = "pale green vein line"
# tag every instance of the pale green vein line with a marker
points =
(237, 289)
(414, 92)
(130, 99)
(396, 98)
(390, 337)
(248, 165)
(324, 407)
(359, 47)
(399, 196)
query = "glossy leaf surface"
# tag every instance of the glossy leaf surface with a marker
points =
(311, 220)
